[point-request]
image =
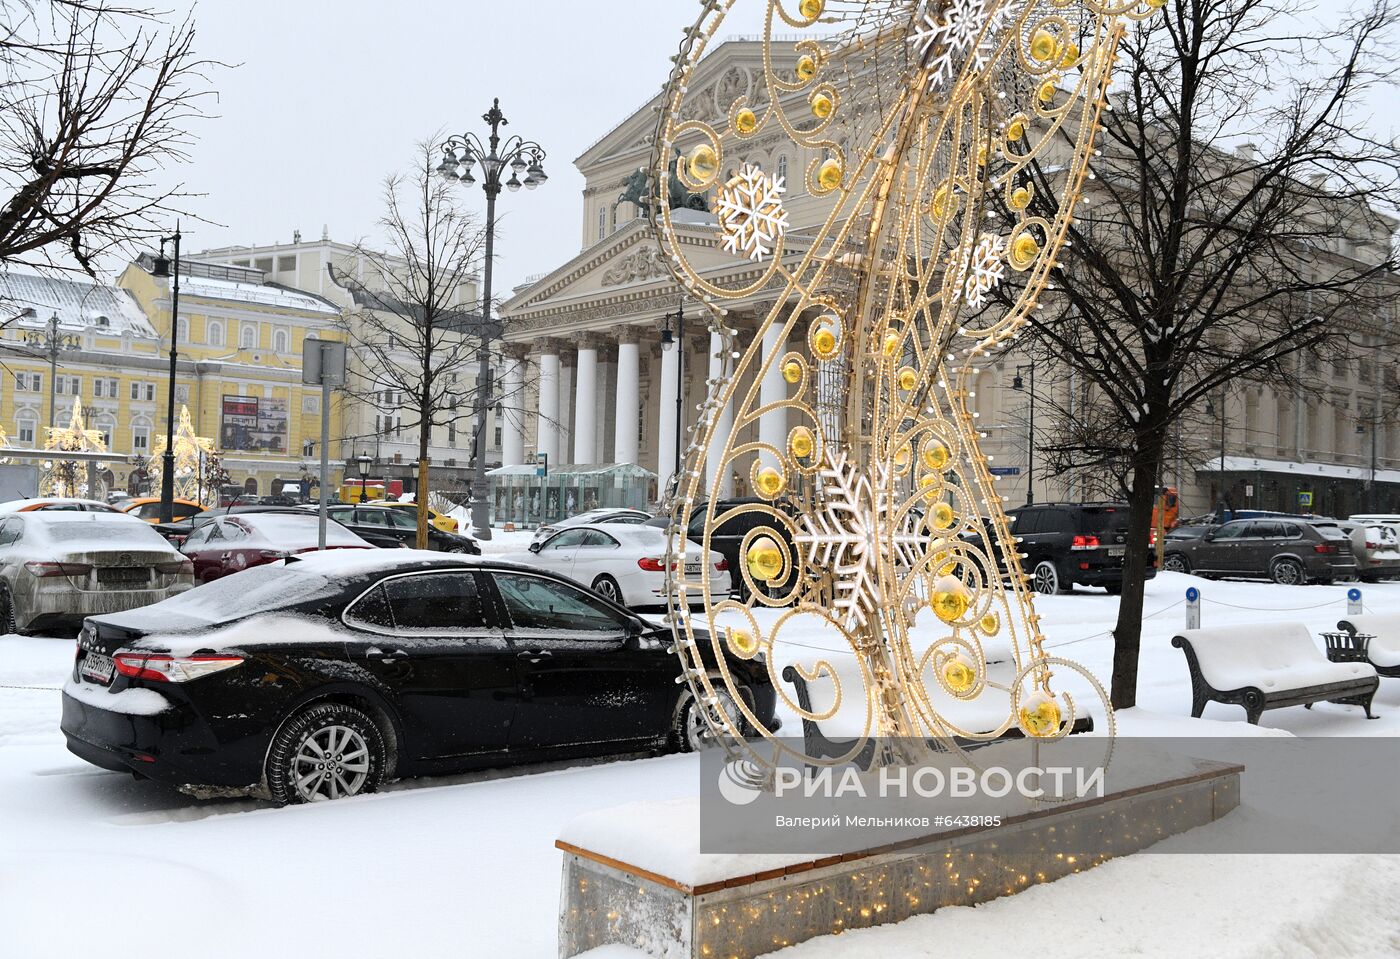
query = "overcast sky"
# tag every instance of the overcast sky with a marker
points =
(328, 98)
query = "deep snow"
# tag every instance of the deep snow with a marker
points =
(465, 866)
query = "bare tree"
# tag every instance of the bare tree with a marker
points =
(1195, 265)
(95, 100)
(416, 332)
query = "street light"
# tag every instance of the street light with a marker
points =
(460, 154)
(363, 461)
(167, 460)
(49, 342)
(1016, 384)
(678, 340)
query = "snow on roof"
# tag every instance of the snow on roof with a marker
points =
(1249, 464)
(79, 305)
(220, 289)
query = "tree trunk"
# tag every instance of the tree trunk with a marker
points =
(1127, 632)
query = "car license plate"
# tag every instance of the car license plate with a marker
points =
(1116, 550)
(692, 569)
(123, 576)
(97, 668)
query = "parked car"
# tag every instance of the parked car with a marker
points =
(633, 517)
(1286, 551)
(387, 527)
(728, 536)
(148, 508)
(440, 520)
(1375, 546)
(65, 503)
(230, 544)
(57, 566)
(176, 532)
(1074, 544)
(625, 563)
(329, 676)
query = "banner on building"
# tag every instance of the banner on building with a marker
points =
(251, 424)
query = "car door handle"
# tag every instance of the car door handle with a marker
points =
(386, 658)
(534, 655)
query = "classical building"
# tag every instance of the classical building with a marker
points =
(595, 346)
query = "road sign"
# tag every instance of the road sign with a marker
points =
(1193, 608)
(1354, 602)
(322, 362)
(1005, 470)
(1305, 499)
(1249, 489)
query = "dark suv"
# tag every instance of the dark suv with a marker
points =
(1069, 544)
(1286, 551)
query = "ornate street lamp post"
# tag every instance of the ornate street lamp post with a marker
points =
(1016, 384)
(49, 342)
(668, 338)
(167, 460)
(460, 155)
(363, 461)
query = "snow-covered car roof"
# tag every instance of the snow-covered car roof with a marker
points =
(74, 530)
(293, 529)
(38, 503)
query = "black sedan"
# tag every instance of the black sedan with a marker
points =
(388, 527)
(327, 676)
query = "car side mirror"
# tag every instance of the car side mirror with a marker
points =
(1210, 535)
(535, 547)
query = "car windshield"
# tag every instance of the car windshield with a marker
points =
(1103, 519)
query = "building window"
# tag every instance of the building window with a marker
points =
(216, 333)
(497, 444)
(27, 426)
(248, 338)
(279, 341)
(140, 439)
(782, 168)
(641, 424)
(182, 330)
(452, 434)
(106, 426)
(105, 386)
(264, 264)
(69, 385)
(602, 222)
(142, 391)
(311, 404)
(29, 382)
(286, 264)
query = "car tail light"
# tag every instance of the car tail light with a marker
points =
(1371, 545)
(722, 565)
(58, 569)
(1325, 548)
(651, 564)
(160, 668)
(176, 567)
(1085, 542)
(1083, 565)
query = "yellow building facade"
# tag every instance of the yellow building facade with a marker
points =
(239, 341)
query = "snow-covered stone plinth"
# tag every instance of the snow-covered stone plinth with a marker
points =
(634, 875)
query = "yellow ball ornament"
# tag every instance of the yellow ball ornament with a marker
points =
(1024, 250)
(959, 673)
(902, 456)
(934, 454)
(1043, 46)
(942, 516)
(1040, 716)
(703, 163)
(822, 105)
(949, 599)
(811, 9)
(1071, 54)
(945, 203)
(806, 67)
(770, 482)
(990, 624)
(745, 122)
(908, 378)
(1046, 93)
(1016, 130)
(825, 341)
(891, 343)
(792, 371)
(1020, 198)
(743, 642)
(800, 442)
(829, 174)
(765, 559)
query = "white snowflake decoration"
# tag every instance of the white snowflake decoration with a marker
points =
(983, 269)
(841, 534)
(947, 36)
(751, 214)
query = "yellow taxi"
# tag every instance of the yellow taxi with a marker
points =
(445, 523)
(148, 508)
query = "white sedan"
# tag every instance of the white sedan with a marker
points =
(624, 563)
(620, 515)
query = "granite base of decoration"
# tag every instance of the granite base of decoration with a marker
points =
(604, 900)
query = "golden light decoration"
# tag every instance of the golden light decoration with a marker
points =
(195, 460)
(69, 478)
(917, 119)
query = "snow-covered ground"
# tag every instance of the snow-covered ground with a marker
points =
(465, 866)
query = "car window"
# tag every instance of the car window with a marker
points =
(1291, 531)
(598, 538)
(1028, 521)
(1229, 531)
(369, 517)
(537, 603)
(629, 519)
(148, 511)
(9, 529)
(567, 539)
(435, 603)
(1269, 530)
(233, 532)
(371, 610)
(401, 518)
(199, 536)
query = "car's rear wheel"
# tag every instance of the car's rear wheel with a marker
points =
(606, 587)
(1287, 572)
(1046, 578)
(7, 612)
(327, 751)
(1176, 563)
(691, 731)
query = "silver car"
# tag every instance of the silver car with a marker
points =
(629, 517)
(57, 567)
(1376, 546)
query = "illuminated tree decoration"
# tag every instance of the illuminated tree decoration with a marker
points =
(69, 477)
(879, 517)
(192, 454)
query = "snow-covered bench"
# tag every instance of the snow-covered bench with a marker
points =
(1383, 649)
(1268, 666)
(839, 733)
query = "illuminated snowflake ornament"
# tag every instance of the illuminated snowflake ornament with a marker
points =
(751, 215)
(946, 36)
(981, 269)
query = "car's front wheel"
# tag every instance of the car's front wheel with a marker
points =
(1176, 563)
(326, 751)
(1287, 572)
(691, 731)
(1046, 578)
